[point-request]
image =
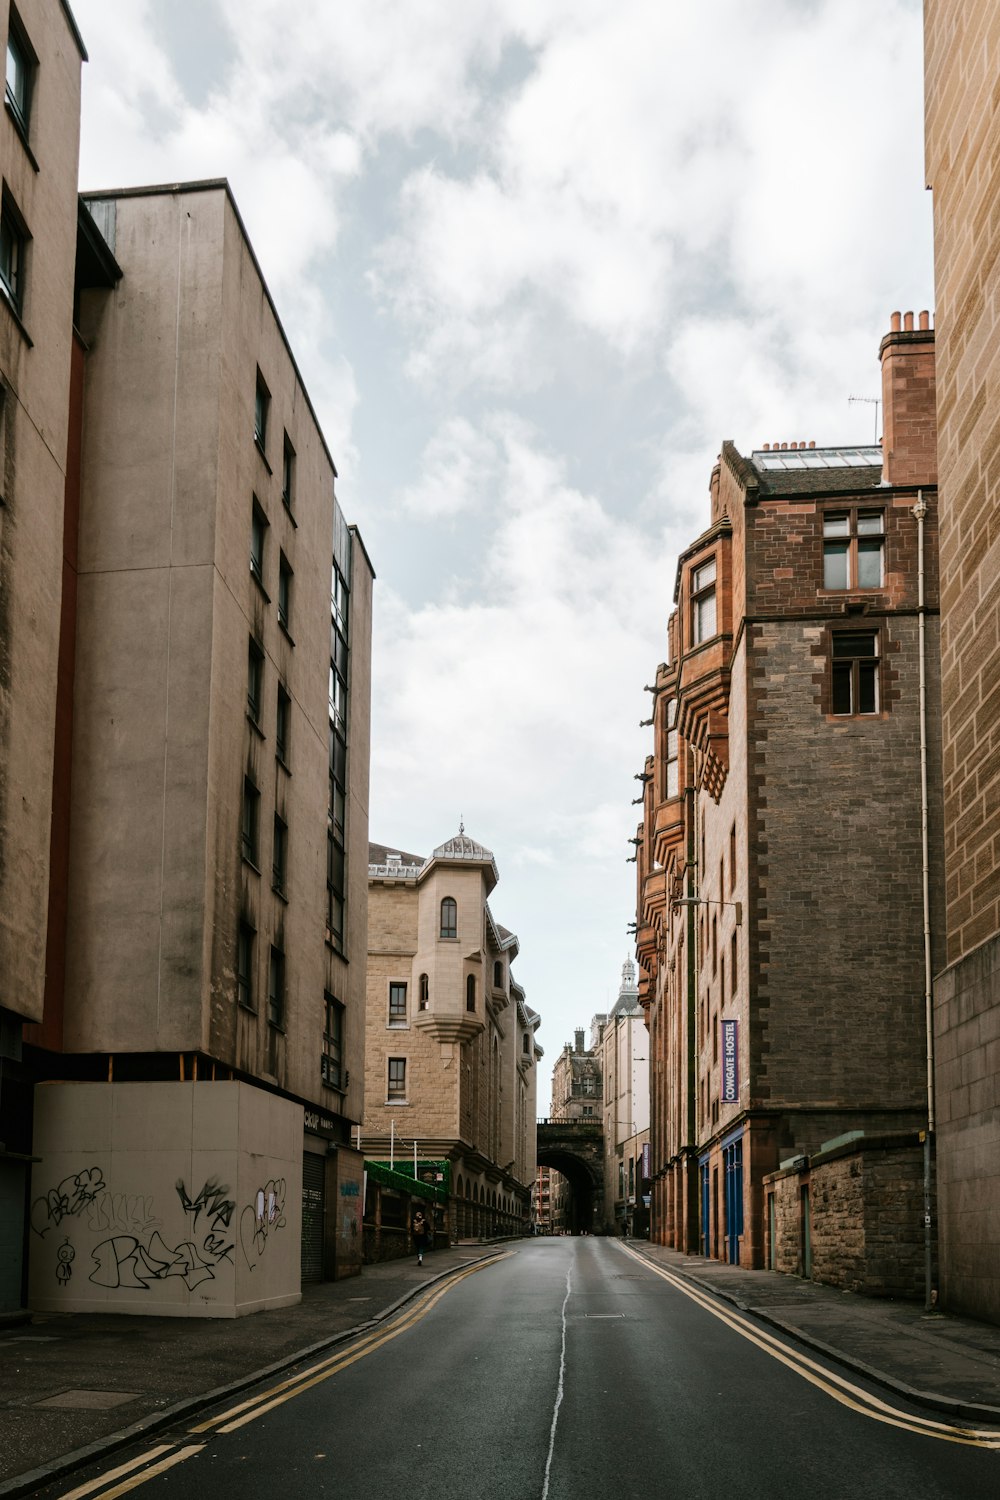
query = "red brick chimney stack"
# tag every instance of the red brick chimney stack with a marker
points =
(909, 421)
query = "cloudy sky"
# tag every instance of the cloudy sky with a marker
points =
(537, 259)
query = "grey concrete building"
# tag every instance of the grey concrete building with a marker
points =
(216, 920)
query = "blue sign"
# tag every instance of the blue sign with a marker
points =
(730, 1063)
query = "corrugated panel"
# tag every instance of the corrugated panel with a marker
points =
(313, 1168)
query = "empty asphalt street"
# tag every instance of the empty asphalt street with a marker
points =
(566, 1368)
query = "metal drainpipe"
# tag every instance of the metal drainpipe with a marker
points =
(692, 1210)
(920, 512)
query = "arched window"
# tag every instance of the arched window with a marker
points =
(470, 992)
(497, 974)
(424, 991)
(449, 917)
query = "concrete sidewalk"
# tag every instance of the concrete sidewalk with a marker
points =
(95, 1382)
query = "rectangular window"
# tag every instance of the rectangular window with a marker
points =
(255, 680)
(338, 783)
(854, 673)
(262, 405)
(338, 600)
(732, 859)
(283, 726)
(732, 964)
(249, 828)
(332, 1058)
(673, 786)
(397, 1004)
(397, 1079)
(853, 549)
(703, 618)
(279, 855)
(21, 65)
(287, 473)
(244, 966)
(276, 989)
(335, 889)
(284, 592)
(13, 240)
(258, 537)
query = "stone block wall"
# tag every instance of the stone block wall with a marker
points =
(865, 1217)
(967, 1048)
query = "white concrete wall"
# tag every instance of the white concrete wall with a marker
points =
(173, 1199)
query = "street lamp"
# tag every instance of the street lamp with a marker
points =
(710, 901)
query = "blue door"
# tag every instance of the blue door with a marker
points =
(732, 1157)
(706, 1207)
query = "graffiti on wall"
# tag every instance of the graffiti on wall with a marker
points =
(131, 1249)
(67, 1200)
(260, 1218)
(125, 1260)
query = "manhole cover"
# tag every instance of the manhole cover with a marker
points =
(89, 1400)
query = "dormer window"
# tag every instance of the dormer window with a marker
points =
(703, 612)
(449, 917)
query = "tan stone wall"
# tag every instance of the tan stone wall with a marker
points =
(166, 1199)
(962, 49)
(962, 61)
(34, 377)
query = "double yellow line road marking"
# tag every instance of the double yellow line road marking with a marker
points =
(841, 1389)
(166, 1455)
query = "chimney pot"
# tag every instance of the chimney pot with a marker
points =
(767, 447)
(894, 323)
(925, 320)
(908, 322)
(784, 446)
(813, 443)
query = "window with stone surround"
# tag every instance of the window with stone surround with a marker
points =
(853, 549)
(703, 611)
(396, 1081)
(397, 1003)
(424, 992)
(449, 917)
(854, 673)
(673, 776)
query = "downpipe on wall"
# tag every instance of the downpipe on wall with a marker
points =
(920, 513)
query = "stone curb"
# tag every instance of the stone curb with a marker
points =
(35, 1479)
(952, 1406)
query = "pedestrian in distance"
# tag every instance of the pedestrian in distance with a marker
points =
(421, 1234)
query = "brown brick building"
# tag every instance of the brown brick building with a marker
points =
(962, 51)
(781, 922)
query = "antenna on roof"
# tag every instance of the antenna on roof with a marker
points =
(867, 401)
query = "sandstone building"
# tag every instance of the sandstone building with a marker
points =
(451, 1071)
(199, 1059)
(624, 1052)
(962, 53)
(789, 914)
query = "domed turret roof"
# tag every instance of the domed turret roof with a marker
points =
(462, 847)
